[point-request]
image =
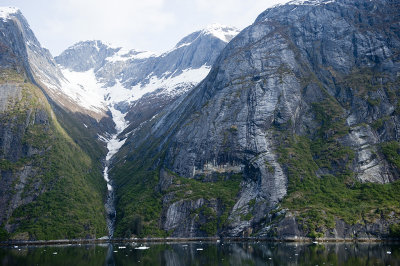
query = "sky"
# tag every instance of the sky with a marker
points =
(151, 25)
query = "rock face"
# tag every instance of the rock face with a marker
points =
(308, 92)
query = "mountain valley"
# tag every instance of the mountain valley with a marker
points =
(287, 129)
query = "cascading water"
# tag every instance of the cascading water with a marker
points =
(113, 145)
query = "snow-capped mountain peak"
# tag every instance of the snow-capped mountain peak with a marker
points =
(310, 2)
(222, 32)
(101, 76)
(89, 43)
(7, 12)
(305, 3)
(219, 31)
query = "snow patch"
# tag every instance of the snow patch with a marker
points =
(101, 138)
(97, 46)
(7, 12)
(125, 55)
(222, 32)
(307, 2)
(119, 119)
(169, 84)
(182, 45)
(114, 143)
(83, 88)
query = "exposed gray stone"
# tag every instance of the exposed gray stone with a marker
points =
(268, 78)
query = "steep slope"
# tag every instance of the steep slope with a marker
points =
(44, 72)
(293, 133)
(51, 186)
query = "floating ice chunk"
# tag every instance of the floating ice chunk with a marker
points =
(142, 247)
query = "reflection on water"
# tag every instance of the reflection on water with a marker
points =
(206, 254)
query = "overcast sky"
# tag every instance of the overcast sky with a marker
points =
(154, 25)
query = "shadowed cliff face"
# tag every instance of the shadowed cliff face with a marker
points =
(309, 92)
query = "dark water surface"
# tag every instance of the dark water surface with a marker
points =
(205, 254)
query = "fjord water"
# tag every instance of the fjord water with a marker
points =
(206, 254)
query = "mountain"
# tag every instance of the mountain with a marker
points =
(293, 133)
(140, 83)
(59, 120)
(51, 183)
(286, 130)
(135, 85)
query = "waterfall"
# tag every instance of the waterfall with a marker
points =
(113, 146)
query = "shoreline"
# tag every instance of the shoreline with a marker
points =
(194, 239)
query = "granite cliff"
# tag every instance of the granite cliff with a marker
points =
(293, 133)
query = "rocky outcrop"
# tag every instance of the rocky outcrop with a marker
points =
(308, 92)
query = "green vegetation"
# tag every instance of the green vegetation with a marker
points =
(72, 207)
(391, 150)
(373, 102)
(394, 230)
(246, 217)
(270, 167)
(140, 203)
(225, 189)
(70, 202)
(7, 165)
(377, 124)
(397, 110)
(136, 180)
(4, 235)
(144, 201)
(363, 81)
(212, 224)
(252, 203)
(318, 199)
